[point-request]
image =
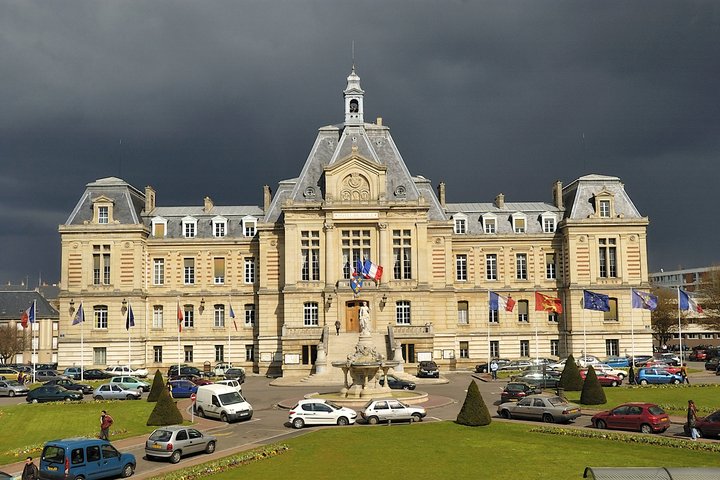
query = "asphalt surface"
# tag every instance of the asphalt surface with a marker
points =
(270, 419)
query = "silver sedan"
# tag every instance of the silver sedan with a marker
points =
(12, 388)
(111, 391)
(549, 409)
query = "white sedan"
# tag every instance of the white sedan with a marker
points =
(607, 369)
(320, 412)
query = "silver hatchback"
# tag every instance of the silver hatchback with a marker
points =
(391, 410)
(111, 391)
(12, 388)
(175, 441)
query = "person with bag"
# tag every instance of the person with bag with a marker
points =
(30, 470)
(691, 420)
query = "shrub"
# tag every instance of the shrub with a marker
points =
(165, 411)
(474, 412)
(592, 391)
(570, 380)
(157, 385)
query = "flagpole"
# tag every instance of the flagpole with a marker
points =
(585, 352)
(178, 337)
(679, 326)
(32, 335)
(632, 329)
(229, 331)
(127, 323)
(82, 340)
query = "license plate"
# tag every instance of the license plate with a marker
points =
(52, 469)
(574, 410)
(663, 419)
(156, 446)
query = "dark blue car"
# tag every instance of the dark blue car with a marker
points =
(84, 458)
(182, 388)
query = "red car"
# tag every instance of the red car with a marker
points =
(665, 366)
(605, 379)
(645, 417)
(709, 426)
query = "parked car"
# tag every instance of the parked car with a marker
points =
(52, 393)
(397, 383)
(42, 376)
(122, 370)
(548, 408)
(664, 365)
(201, 381)
(96, 374)
(73, 372)
(84, 458)
(235, 374)
(539, 379)
(516, 365)
(671, 358)
(644, 417)
(698, 356)
(176, 441)
(111, 391)
(483, 367)
(130, 383)
(231, 383)
(588, 360)
(517, 390)
(605, 368)
(712, 364)
(7, 373)
(617, 362)
(223, 402)
(390, 410)
(428, 369)
(184, 370)
(220, 367)
(656, 375)
(46, 366)
(605, 379)
(709, 426)
(320, 412)
(182, 388)
(70, 385)
(12, 388)
(641, 360)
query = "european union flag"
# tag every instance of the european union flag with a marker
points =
(596, 301)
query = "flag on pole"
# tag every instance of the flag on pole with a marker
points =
(498, 302)
(79, 316)
(356, 283)
(232, 315)
(28, 315)
(372, 270)
(596, 301)
(687, 302)
(545, 303)
(644, 300)
(130, 320)
(358, 268)
(180, 317)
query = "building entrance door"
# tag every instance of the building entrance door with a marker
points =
(352, 322)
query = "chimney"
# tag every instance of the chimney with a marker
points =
(500, 201)
(441, 194)
(149, 199)
(208, 204)
(378, 122)
(267, 198)
(557, 194)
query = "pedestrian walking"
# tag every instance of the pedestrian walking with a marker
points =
(106, 422)
(337, 327)
(494, 369)
(691, 419)
(30, 470)
(684, 373)
(631, 375)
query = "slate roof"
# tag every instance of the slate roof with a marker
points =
(233, 214)
(579, 195)
(128, 201)
(13, 303)
(504, 221)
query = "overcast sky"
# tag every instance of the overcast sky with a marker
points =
(218, 98)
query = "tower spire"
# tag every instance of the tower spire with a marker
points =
(353, 95)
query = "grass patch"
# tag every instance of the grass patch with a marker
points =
(448, 450)
(673, 398)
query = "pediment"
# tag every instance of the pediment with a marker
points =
(103, 199)
(355, 179)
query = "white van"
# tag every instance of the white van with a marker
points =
(223, 402)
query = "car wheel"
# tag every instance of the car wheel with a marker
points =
(643, 382)
(614, 384)
(343, 421)
(130, 397)
(175, 457)
(547, 418)
(210, 448)
(128, 470)
(224, 417)
(676, 381)
(67, 399)
(506, 414)
(373, 420)
(406, 387)
(11, 393)
(645, 428)
(98, 397)
(298, 423)
(34, 400)
(200, 413)
(79, 477)
(622, 377)
(600, 425)
(415, 418)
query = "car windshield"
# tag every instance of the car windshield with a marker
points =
(655, 410)
(12, 383)
(161, 436)
(557, 401)
(230, 398)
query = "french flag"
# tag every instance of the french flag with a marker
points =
(498, 301)
(371, 270)
(687, 302)
(28, 316)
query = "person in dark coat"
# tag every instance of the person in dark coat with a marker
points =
(30, 470)
(631, 375)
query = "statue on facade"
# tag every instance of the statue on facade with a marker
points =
(364, 318)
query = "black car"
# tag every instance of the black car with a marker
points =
(428, 368)
(641, 360)
(235, 374)
(483, 367)
(539, 379)
(517, 390)
(70, 385)
(96, 374)
(712, 364)
(52, 393)
(397, 384)
(184, 370)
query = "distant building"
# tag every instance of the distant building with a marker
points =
(45, 332)
(284, 268)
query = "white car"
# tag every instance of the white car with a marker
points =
(605, 368)
(389, 410)
(231, 383)
(320, 412)
(122, 370)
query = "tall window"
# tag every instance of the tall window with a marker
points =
(464, 349)
(101, 316)
(100, 355)
(612, 348)
(524, 348)
(604, 208)
(355, 246)
(519, 224)
(189, 228)
(249, 315)
(461, 268)
(249, 225)
(219, 353)
(491, 272)
(103, 214)
(219, 316)
(101, 264)
(219, 227)
(188, 350)
(548, 224)
(189, 320)
(157, 316)
(310, 314)
(555, 348)
(553, 317)
(460, 225)
(550, 270)
(463, 313)
(219, 270)
(310, 251)
(523, 307)
(402, 312)
(189, 270)
(612, 314)
(494, 316)
(607, 256)
(489, 225)
(249, 270)
(402, 255)
(157, 354)
(521, 266)
(494, 348)
(158, 271)
(249, 353)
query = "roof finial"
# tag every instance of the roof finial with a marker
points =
(353, 56)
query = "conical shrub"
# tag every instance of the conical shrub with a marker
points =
(157, 385)
(474, 412)
(570, 380)
(165, 411)
(592, 391)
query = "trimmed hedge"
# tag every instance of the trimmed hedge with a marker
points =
(570, 380)
(474, 412)
(157, 385)
(592, 391)
(165, 411)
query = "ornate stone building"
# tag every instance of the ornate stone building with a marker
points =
(283, 269)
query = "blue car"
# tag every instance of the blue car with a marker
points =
(84, 458)
(617, 362)
(182, 388)
(656, 375)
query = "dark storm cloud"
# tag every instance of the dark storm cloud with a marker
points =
(218, 98)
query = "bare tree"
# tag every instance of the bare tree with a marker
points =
(664, 319)
(709, 299)
(11, 342)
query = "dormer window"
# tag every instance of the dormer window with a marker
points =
(604, 205)
(104, 214)
(548, 222)
(159, 227)
(249, 226)
(189, 227)
(489, 223)
(219, 226)
(102, 210)
(604, 208)
(519, 222)
(460, 224)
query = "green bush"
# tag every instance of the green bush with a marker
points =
(157, 385)
(474, 412)
(592, 391)
(165, 411)
(570, 380)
